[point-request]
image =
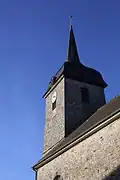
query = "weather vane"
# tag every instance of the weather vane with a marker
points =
(70, 19)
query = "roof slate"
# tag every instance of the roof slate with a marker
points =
(78, 72)
(74, 69)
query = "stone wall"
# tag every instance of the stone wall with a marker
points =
(77, 111)
(97, 157)
(54, 120)
(70, 111)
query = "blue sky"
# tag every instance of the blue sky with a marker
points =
(33, 43)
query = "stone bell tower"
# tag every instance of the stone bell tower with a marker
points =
(73, 94)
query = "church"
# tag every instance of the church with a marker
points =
(82, 131)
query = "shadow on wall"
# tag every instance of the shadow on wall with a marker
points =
(114, 175)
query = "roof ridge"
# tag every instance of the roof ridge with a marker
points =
(114, 98)
(109, 102)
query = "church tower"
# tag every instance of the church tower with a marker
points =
(73, 95)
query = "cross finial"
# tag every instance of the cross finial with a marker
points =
(70, 19)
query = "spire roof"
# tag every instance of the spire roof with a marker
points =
(72, 54)
(74, 69)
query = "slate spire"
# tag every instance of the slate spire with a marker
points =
(72, 54)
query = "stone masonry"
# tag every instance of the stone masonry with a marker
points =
(77, 111)
(70, 111)
(94, 158)
(54, 121)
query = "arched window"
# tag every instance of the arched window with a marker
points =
(54, 97)
(85, 95)
(58, 177)
(54, 105)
